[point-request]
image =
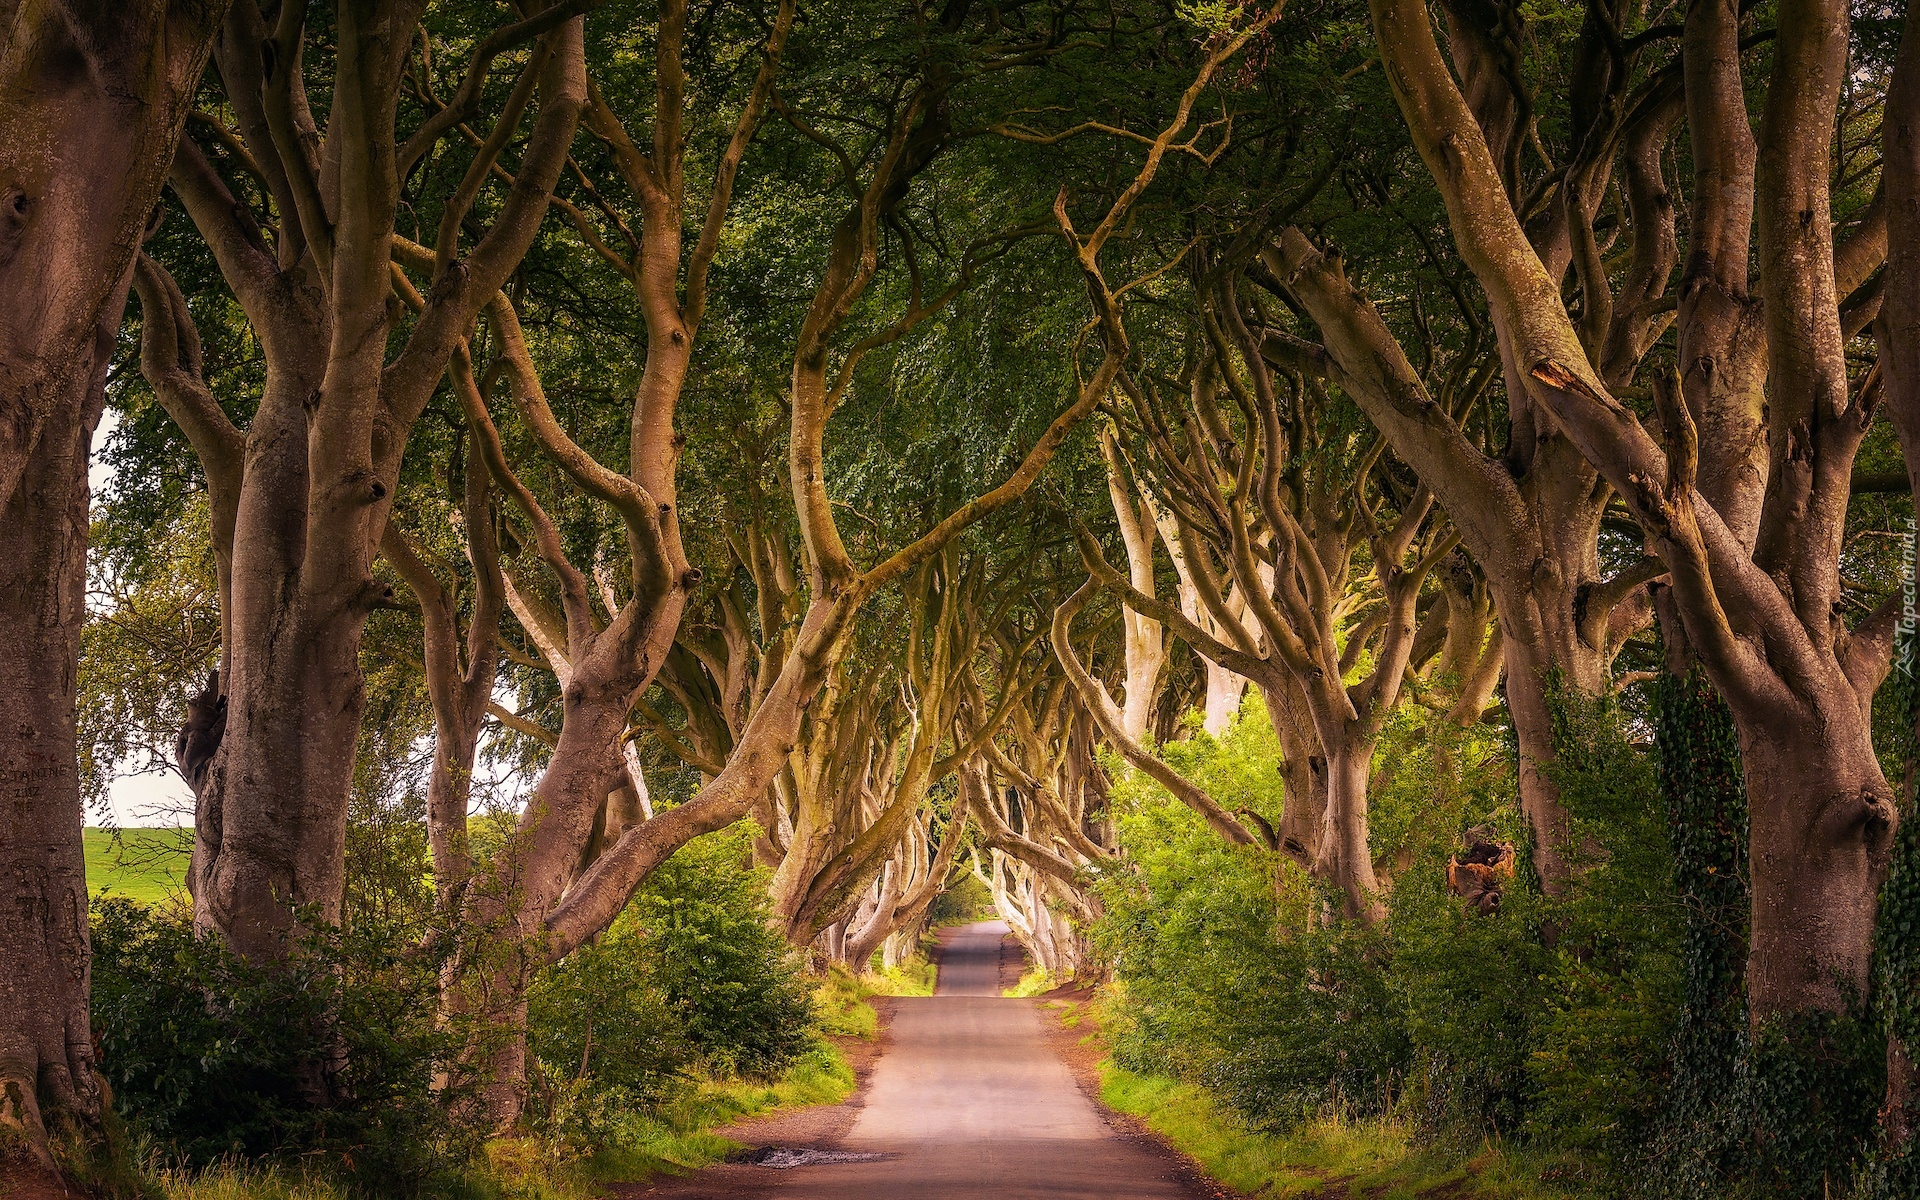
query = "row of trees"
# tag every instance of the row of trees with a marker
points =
(360, 242)
(703, 389)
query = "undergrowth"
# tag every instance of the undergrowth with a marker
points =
(1037, 981)
(1331, 1153)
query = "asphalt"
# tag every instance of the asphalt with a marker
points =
(970, 1101)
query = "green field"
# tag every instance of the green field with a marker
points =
(147, 865)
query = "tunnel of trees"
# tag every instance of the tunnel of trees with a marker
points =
(1379, 533)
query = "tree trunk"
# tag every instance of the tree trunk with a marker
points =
(1303, 772)
(1541, 657)
(47, 1074)
(1818, 840)
(1224, 692)
(270, 810)
(1344, 860)
(96, 96)
(1143, 643)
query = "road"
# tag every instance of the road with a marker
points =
(970, 1101)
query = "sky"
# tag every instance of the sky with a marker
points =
(159, 799)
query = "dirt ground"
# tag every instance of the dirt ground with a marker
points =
(23, 1179)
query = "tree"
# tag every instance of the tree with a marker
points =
(1281, 503)
(303, 495)
(535, 901)
(96, 97)
(1763, 618)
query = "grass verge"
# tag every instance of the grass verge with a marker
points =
(673, 1138)
(1326, 1157)
(676, 1138)
(1033, 983)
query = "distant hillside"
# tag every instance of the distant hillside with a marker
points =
(146, 865)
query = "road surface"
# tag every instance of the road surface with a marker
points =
(970, 1101)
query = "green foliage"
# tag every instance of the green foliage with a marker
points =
(1701, 1139)
(212, 1057)
(732, 980)
(1599, 1061)
(1228, 981)
(840, 1005)
(1805, 1093)
(1378, 1156)
(690, 980)
(1548, 1021)
(152, 635)
(967, 899)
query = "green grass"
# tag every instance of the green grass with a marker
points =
(918, 976)
(244, 1181)
(685, 1141)
(674, 1139)
(1325, 1158)
(840, 1001)
(1329, 1156)
(1033, 983)
(145, 865)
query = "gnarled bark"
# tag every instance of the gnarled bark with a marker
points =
(321, 458)
(94, 100)
(1764, 622)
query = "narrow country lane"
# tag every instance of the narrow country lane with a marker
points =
(970, 1101)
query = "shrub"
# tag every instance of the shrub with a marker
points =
(729, 976)
(690, 979)
(1227, 979)
(335, 1050)
(1549, 1020)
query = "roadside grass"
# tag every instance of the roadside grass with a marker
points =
(918, 976)
(841, 999)
(148, 866)
(1328, 1156)
(675, 1138)
(245, 1181)
(1035, 982)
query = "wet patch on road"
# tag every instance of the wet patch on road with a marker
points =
(785, 1158)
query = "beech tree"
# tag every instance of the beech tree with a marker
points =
(1038, 797)
(536, 904)
(1145, 642)
(1761, 614)
(1282, 505)
(95, 99)
(300, 499)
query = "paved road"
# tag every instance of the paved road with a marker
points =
(969, 1101)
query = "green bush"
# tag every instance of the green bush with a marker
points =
(691, 979)
(730, 977)
(1228, 979)
(1549, 1021)
(334, 1051)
